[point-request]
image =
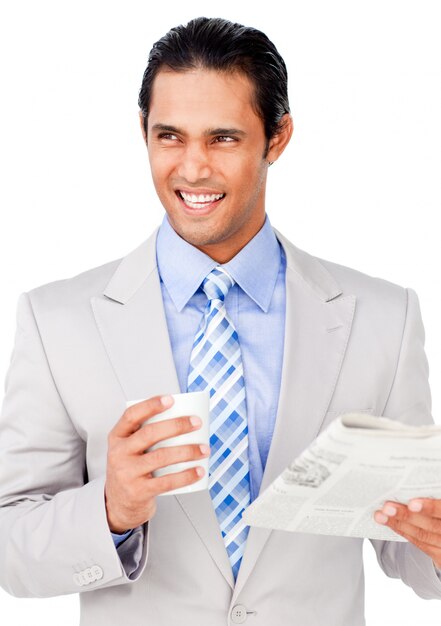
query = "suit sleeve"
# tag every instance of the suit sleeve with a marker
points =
(54, 533)
(410, 401)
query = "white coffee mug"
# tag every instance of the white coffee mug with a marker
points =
(193, 403)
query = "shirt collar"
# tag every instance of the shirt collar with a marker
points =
(182, 267)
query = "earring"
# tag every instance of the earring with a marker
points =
(270, 163)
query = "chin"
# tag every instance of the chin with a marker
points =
(196, 236)
(198, 240)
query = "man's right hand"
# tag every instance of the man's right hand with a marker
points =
(131, 489)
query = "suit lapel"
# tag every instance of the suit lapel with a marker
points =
(131, 320)
(317, 328)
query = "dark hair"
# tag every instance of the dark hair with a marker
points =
(217, 44)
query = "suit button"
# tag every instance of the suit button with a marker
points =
(78, 579)
(97, 572)
(238, 614)
(88, 576)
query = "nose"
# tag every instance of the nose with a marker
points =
(194, 164)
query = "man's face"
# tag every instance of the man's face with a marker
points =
(206, 150)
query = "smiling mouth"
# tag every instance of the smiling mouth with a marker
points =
(199, 201)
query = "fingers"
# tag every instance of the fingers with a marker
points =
(162, 484)
(151, 434)
(419, 527)
(428, 506)
(163, 457)
(134, 416)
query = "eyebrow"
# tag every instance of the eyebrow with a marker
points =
(207, 133)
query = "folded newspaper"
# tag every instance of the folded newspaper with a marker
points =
(347, 473)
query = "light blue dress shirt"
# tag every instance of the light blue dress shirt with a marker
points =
(256, 306)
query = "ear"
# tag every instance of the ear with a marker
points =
(280, 140)
(141, 123)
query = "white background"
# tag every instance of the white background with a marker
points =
(359, 184)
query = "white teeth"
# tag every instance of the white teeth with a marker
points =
(192, 198)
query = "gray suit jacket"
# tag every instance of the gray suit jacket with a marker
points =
(87, 344)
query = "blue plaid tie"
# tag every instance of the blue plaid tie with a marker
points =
(216, 364)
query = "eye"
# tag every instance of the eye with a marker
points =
(167, 136)
(225, 139)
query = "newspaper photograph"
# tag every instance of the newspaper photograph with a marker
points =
(347, 473)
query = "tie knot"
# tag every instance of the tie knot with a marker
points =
(217, 284)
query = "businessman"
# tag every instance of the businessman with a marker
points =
(214, 299)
